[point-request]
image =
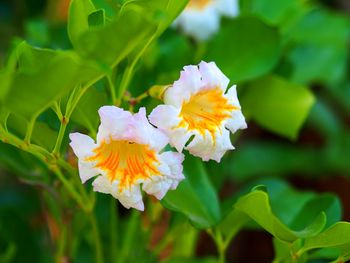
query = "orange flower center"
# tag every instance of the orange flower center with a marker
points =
(198, 4)
(205, 111)
(125, 161)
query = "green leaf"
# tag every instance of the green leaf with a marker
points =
(278, 105)
(319, 55)
(86, 113)
(6, 73)
(326, 64)
(335, 29)
(256, 158)
(110, 43)
(195, 197)
(165, 13)
(337, 235)
(233, 223)
(42, 134)
(274, 11)
(236, 52)
(22, 164)
(96, 18)
(256, 205)
(37, 32)
(78, 23)
(282, 251)
(327, 203)
(36, 85)
(8, 255)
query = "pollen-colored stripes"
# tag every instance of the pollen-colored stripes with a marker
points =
(125, 161)
(205, 111)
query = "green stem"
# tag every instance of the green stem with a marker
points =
(71, 105)
(57, 109)
(97, 239)
(112, 89)
(60, 136)
(81, 91)
(220, 245)
(70, 189)
(35, 150)
(30, 129)
(74, 174)
(126, 80)
(5, 114)
(129, 236)
(61, 244)
(114, 230)
(130, 70)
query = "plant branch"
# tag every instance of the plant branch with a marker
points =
(97, 238)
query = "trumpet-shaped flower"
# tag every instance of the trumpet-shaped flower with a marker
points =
(197, 107)
(201, 18)
(127, 154)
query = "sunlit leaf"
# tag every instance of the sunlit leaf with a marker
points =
(256, 205)
(278, 105)
(338, 235)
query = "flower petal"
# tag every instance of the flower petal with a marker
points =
(130, 197)
(205, 147)
(145, 133)
(114, 123)
(87, 170)
(189, 82)
(165, 116)
(171, 168)
(174, 161)
(212, 76)
(228, 8)
(200, 24)
(231, 95)
(236, 122)
(179, 137)
(102, 184)
(157, 186)
(81, 144)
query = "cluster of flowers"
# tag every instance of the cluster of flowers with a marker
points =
(197, 115)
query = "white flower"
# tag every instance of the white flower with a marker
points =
(201, 18)
(197, 106)
(126, 155)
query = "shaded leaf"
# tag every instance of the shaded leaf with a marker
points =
(195, 197)
(241, 58)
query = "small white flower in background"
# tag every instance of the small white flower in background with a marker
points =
(126, 155)
(197, 105)
(201, 18)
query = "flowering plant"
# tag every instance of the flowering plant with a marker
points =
(125, 126)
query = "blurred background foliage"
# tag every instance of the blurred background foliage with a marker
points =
(290, 60)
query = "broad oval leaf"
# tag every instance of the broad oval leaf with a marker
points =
(338, 235)
(257, 206)
(195, 196)
(78, 21)
(242, 58)
(278, 105)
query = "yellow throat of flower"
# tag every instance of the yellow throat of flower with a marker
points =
(198, 4)
(205, 111)
(125, 161)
